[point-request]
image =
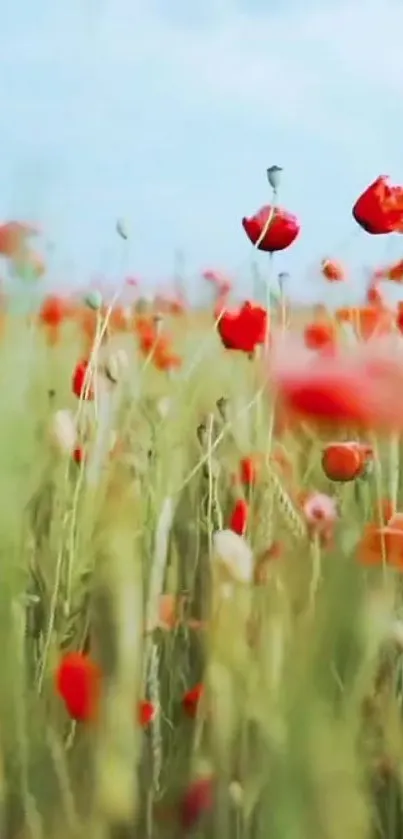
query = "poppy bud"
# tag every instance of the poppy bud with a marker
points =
(345, 461)
(274, 176)
(93, 299)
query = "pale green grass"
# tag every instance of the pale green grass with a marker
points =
(85, 562)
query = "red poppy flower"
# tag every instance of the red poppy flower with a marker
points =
(239, 517)
(360, 386)
(80, 381)
(191, 699)
(78, 682)
(273, 228)
(146, 712)
(379, 209)
(245, 329)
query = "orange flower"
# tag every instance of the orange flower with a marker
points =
(391, 272)
(332, 271)
(165, 359)
(377, 542)
(319, 336)
(345, 461)
(264, 561)
(170, 609)
(368, 320)
(374, 296)
(87, 319)
(119, 320)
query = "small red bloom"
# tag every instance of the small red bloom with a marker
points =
(80, 381)
(78, 682)
(197, 800)
(53, 311)
(245, 329)
(332, 271)
(374, 296)
(239, 517)
(191, 699)
(271, 229)
(79, 455)
(248, 468)
(379, 209)
(146, 713)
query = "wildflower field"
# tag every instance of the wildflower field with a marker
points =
(201, 538)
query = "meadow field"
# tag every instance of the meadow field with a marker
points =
(200, 590)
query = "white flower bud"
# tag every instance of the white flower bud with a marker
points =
(233, 556)
(63, 431)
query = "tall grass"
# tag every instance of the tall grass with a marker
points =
(300, 724)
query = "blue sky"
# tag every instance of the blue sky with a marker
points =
(168, 112)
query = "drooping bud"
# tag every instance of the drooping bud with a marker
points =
(121, 229)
